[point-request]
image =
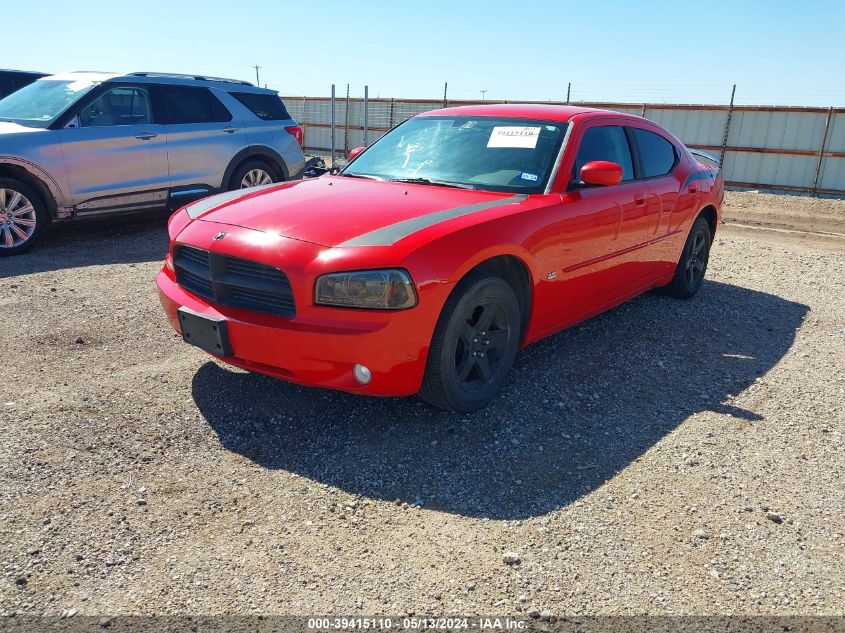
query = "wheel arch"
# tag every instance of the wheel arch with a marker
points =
(256, 152)
(46, 187)
(515, 270)
(711, 215)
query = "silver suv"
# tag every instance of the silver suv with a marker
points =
(83, 144)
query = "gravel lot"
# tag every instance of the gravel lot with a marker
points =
(666, 457)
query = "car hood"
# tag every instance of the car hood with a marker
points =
(8, 127)
(340, 211)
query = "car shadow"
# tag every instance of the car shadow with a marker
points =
(127, 239)
(578, 407)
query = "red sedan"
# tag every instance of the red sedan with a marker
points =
(460, 236)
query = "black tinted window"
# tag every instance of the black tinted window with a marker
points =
(7, 85)
(193, 105)
(10, 82)
(264, 106)
(605, 142)
(657, 154)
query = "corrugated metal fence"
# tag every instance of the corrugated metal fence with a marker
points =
(776, 148)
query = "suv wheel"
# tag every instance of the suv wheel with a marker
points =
(22, 216)
(253, 173)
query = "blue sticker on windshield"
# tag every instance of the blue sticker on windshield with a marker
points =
(526, 176)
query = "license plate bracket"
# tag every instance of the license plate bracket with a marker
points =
(206, 332)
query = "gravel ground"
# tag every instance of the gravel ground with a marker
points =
(666, 457)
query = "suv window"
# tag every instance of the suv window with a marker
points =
(658, 155)
(193, 105)
(264, 106)
(605, 142)
(10, 81)
(123, 105)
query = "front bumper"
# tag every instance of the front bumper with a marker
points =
(318, 351)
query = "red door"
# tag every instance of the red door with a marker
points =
(670, 200)
(592, 270)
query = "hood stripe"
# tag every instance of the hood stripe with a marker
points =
(389, 235)
(207, 204)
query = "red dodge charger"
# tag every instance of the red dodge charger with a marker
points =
(460, 236)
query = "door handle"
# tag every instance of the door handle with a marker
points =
(145, 136)
(693, 188)
(639, 201)
(230, 129)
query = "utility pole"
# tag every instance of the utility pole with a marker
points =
(483, 95)
(257, 81)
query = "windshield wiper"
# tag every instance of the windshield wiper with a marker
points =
(436, 183)
(367, 176)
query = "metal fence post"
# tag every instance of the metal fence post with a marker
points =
(727, 130)
(346, 125)
(366, 113)
(333, 124)
(821, 151)
(445, 87)
(304, 121)
(391, 111)
(568, 88)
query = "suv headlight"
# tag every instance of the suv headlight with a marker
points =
(375, 289)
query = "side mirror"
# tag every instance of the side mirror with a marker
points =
(353, 153)
(601, 172)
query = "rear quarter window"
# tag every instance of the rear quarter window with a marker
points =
(658, 156)
(264, 106)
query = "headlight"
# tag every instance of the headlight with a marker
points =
(376, 289)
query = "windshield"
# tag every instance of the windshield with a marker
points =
(41, 102)
(495, 154)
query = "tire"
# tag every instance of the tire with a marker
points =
(253, 173)
(474, 344)
(23, 215)
(689, 273)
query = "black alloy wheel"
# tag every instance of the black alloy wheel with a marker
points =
(474, 344)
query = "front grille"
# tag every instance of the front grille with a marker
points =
(232, 281)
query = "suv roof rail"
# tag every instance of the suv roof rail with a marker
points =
(193, 77)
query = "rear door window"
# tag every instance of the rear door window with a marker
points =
(193, 105)
(265, 106)
(658, 156)
(605, 142)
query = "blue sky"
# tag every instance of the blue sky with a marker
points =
(683, 51)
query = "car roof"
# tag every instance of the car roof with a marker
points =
(542, 111)
(161, 78)
(22, 72)
(81, 76)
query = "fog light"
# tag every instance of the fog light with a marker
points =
(362, 374)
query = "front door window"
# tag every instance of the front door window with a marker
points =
(123, 105)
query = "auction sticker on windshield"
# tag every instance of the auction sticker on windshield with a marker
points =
(524, 137)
